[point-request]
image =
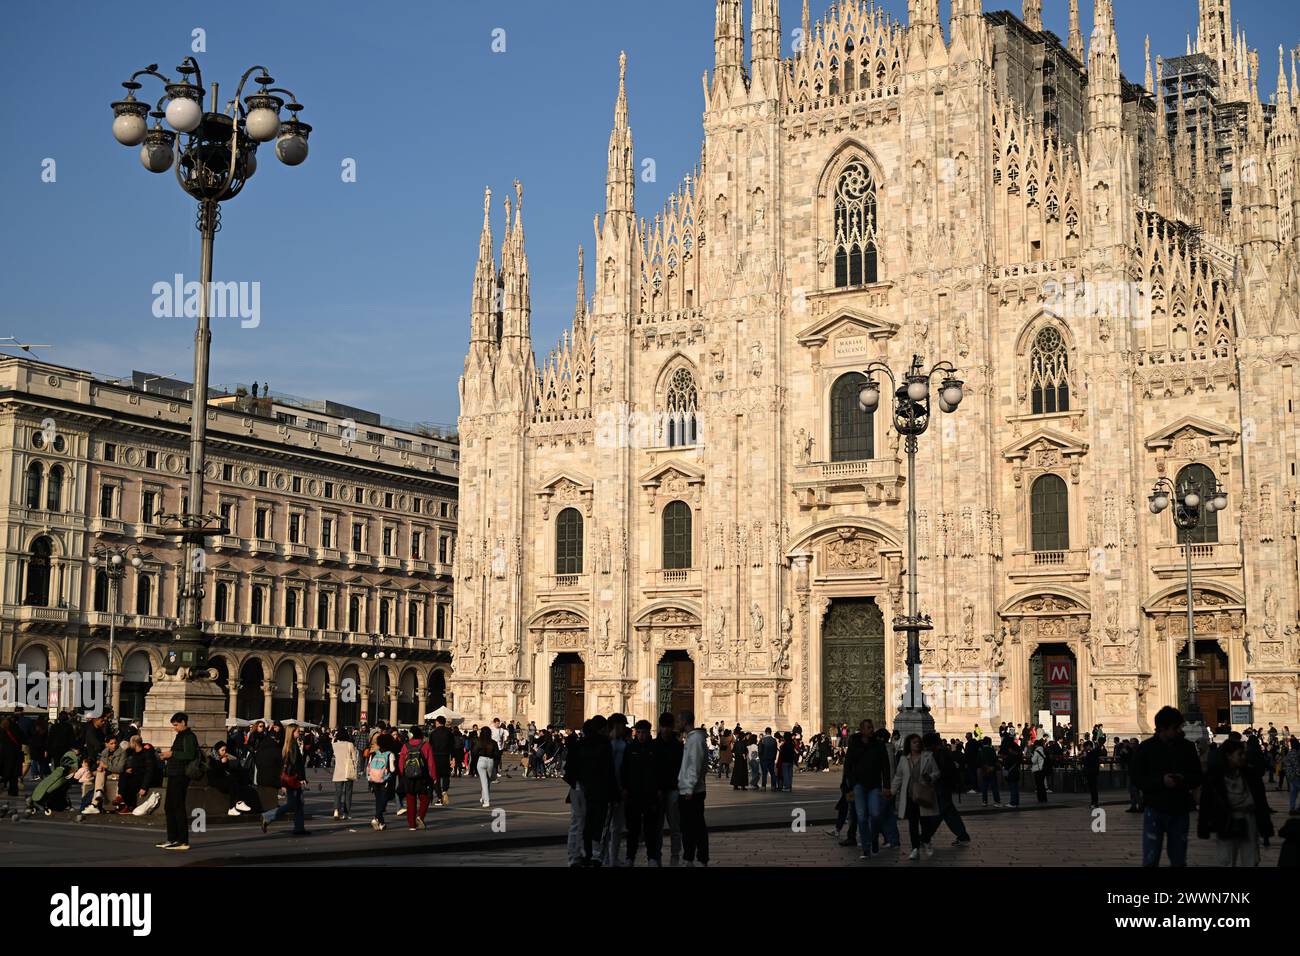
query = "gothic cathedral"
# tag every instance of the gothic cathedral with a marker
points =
(685, 506)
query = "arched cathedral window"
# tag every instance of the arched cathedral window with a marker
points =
(853, 431)
(1200, 479)
(1049, 372)
(680, 426)
(677, 535)
(855, 227)
(1049, 510)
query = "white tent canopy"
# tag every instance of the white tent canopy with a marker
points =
(452, 718)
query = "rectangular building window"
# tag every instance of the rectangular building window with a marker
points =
(358, 495)
(295, 528)
(227, 472)
(415, 505)
(442, 549)
(227, 511)
(441, 621)
(329, 489)
(388, 500)
(148, 506)
(388, 542)
(416, 539)
(151, 459)
(106, 493)
(356, 537)
(263, 479)
(110, 451)
(262, 523)
(326, 532)
(297, 485)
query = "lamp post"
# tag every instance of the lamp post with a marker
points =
(377, 641)
(911, 411)
(215, 154)
(1192, 503)
(114, 561)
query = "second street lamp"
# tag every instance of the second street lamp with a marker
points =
(1194, 502)
(114, 562)
(911, 419)
(377, 641)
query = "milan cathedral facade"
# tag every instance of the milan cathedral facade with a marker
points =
(685, 505)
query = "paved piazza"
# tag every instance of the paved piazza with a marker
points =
(746, 830)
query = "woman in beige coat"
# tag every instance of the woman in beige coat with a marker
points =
(345, 772)
(915, 785)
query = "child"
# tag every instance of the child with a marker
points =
(86, 777)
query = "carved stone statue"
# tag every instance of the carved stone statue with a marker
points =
(604, 630)
(803, 444)
(499, 626)
(756, 625)
(720, 630)
(1270, 611)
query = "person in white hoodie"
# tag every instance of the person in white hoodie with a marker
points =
(345, 773)
(690, 790)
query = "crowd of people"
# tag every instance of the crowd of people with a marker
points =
(627, 785)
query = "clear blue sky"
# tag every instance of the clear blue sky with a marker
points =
(365, 286)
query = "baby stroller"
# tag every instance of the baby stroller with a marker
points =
(52, 792)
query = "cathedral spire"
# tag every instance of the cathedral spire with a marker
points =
(1032, 14)
(1150, 87)
(619, 184)
(807, 28)
(728, 45)
(580, 307)
(1075, 42)
(1104, 105)
(483, 309)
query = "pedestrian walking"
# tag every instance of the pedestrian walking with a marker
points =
(486, 754)
(442, 742)
(1168, 770)
(380, 768)
(867, 776)
(293, 774)
(416, 770)
(1038, 767)
(177, 759)
(915, 784)
(345, 774)
(1234, 808)
(691, 789)
(668, 765)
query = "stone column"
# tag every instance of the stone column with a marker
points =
(392, 703)
(302, 700)
(267, 686)
(334, 708)
(233, 686)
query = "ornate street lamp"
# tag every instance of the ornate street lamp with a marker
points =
(1193, 502)
(377, 641)
(214, 155)
(911, 411)
(114, 561)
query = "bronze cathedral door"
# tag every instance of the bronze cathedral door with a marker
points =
(853, 663)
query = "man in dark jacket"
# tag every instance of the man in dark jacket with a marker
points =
(867, 771)
(61, 738)
(599, 783)
(183, 751)
(668, 750)
(1093, 752)
(440, 742)
(767, 749)
(643, 812)
(1168, 769)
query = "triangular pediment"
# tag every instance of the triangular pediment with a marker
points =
(846, 322)
(1214, 431)
(657, 474)
(561, 478)
(1045, 439)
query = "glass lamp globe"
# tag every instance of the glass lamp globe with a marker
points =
(184, 114)
(365, 655)
(156, 153)
(262, 123)
(952, 394)
(943, 404)
(93, 560)
(1153, 507)
(869, 397)
(135, 562)
(1159, 502)
(291, 149)
(1191, 501)
(917, 389)
(129, 128)
(1220, 501)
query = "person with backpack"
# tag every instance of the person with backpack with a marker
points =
(442, 742)
(178, 757)
(484, 757)
(1038, 766)
(293, 773)
(380, 768)
(418, 774)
